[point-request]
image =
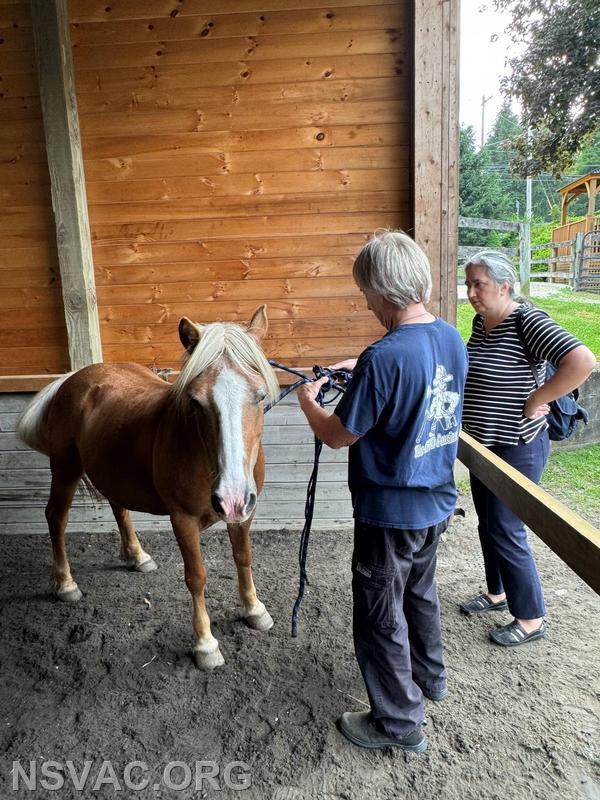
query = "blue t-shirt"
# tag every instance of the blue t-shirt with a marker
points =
(405, 403)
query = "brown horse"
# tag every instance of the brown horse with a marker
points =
(191, 450)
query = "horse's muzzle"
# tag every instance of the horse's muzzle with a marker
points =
(233, 506)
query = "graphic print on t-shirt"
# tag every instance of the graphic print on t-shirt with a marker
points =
(441, 415)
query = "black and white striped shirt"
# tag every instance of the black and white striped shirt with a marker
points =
(499, 380)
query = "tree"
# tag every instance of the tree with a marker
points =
(556, 78)
(481, 192)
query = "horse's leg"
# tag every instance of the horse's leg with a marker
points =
(255, 613)
(131, 549)
(206, 650)
(63, 487)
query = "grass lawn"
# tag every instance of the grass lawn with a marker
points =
(573, 476)
(577, 312)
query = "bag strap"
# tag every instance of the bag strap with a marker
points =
(525, 346)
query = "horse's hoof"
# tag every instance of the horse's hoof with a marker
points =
(259, 619)
(208, 661)
(146, 566)
(70, 595)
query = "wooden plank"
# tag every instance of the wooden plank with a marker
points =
(235, 311)
(228, 290)
(19, 171)
(39, 277)
(96, 11)
(25, 194)
(263, 183)
(243, 227)
(245, 96)
(203, 50)
(220, 163)
(232, 118)
(38, 298)
(283, 204)
(250, 249)
(288, 350)
(265, 268)
(313, 328)
(23, 360)
(230, 73)
(57, 92)
(487, 224)
(570, 536)
(217, 26)
(202, 142)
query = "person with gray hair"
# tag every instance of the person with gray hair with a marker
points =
(400, 416)
(506, 411)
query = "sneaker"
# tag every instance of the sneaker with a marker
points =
(358, 727)
(514, 634)
(482, 603)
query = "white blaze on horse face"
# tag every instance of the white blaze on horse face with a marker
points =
(229, 394)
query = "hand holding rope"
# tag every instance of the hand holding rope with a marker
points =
(337, 381)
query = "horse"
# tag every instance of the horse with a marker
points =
(190, 450)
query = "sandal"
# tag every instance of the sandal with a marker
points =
(482, 603)
(515, 634)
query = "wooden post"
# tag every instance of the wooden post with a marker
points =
(435, 166)
(61, 125)
(577, 262)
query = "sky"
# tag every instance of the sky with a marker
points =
(481, 62)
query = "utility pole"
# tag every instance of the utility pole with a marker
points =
(525, 265)
(484, 100)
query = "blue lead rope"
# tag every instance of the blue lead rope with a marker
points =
(332, 385)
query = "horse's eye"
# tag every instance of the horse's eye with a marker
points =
(195, 403)
(261, 394)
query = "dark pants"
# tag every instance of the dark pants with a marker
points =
(397, 633)
(509, 564)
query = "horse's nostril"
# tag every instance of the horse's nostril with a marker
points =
(250, 500)
(215, 502)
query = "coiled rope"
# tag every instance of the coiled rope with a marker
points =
(337, 381)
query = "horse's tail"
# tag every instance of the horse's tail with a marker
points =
(31, 424)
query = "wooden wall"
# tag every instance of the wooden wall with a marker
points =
(239, 152)
(32, 323)
(289, 448)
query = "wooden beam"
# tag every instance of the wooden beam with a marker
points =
(65, 163)
(435, 157)
(487, 224)
(571, 537)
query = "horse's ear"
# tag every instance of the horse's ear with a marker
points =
(189, 334)
(259, 324)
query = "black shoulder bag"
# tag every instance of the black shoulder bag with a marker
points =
(565, 412)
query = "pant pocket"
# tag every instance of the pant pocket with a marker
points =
(373, 592)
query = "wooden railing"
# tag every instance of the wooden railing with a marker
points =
(572, 538)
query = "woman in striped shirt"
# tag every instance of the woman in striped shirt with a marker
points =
(504, 410)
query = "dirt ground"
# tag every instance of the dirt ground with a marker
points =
(111, 679)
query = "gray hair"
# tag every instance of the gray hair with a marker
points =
(497, 266)
(394, 266)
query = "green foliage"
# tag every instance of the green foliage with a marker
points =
(481, 193)
(575, 311)
(556, 79)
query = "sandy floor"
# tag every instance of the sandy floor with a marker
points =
(111, 679)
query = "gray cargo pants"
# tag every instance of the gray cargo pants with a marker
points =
(396, 621)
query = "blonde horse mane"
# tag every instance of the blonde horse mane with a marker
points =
(225, 339)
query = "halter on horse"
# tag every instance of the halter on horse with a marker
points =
(191, 450)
